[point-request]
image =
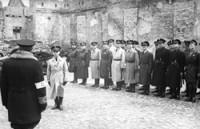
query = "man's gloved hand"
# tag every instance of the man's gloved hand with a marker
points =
(49, 83)
(64, 83)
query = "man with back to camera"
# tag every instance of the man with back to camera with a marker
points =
(22, 87)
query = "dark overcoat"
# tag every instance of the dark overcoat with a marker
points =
(146, 63)
(132, 62)
(160, 67)
(105, 63)
(175, 67)
(18, 89)
(83, 59)
(72, 59)
(192, 66)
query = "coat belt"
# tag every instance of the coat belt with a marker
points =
(94, 59)
(117, 59)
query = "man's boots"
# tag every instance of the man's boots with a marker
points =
(56, 104)
(132, 87)
(75, 79)
(60, 100)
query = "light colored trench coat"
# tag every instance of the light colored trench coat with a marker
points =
(118, 64)
(132, 63)
(56, 75)
(95, 63)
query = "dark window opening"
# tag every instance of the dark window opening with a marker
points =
(55, 5)
(82, 2)
(42, 4)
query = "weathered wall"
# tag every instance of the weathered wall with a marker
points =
(97, 20)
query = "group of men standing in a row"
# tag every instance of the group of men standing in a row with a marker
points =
(124, 63)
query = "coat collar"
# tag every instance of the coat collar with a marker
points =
(21, 54)
(58, 59)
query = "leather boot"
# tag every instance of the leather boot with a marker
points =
(147, 90)
(194, 90)
(83, 82)
(178, 93)
(56, 104)
(162, 93)
(94, 83)
(128, 89)
(110, 81)
(106, 84)
(75, 79)
(60, 100)
(132, 87)
(144, 89)
(117, 88)
(97, 82)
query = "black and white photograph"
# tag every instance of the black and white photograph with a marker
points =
(99, 64)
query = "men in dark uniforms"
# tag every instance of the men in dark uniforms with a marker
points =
(146, 63)
(71, 58)
(105, 63)
(131, 64)
(175, 69)
(83, 59)
(160, 67)
(22, 87)
(192, 70)
(95, 63)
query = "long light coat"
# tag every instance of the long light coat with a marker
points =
(118, 64)
(132, 62)
(95, 63)
(146, 63)
(111, 49)
(56, 74)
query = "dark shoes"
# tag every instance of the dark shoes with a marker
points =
(116, 89)
(83, 83)
(105, 87)
(95, 85)
(144, 93)
(75, 81)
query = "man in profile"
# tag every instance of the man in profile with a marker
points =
(22, 87)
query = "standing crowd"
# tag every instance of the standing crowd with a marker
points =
(120, 63)
(125, 63)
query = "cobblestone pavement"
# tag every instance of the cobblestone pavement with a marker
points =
(94, 108)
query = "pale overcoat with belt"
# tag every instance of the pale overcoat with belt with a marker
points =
(95, 63)
(118, 64)
(56, 75)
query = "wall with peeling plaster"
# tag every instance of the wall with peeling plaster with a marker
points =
(98, 20)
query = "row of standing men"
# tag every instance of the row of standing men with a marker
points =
(131, 66)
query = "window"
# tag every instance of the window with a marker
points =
(42, 4)
(55, 5)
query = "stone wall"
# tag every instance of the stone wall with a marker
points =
(87, 20)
